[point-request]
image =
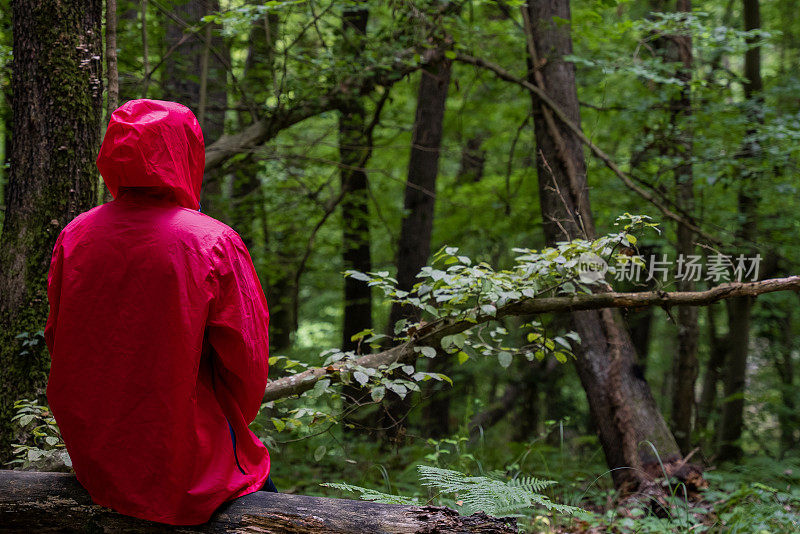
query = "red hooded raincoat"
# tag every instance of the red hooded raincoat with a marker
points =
(157, 331)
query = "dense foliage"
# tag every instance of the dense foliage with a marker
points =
(486, 418)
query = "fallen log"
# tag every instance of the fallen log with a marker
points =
(55, 502)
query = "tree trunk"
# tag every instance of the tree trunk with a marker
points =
(784, 366)
(181, 83)
(732, 420)
(111, 58)
(619, 398)
(686, 366)
(718, 348)
(56, 502)
(473, 160)
(248, 212)
(419, 203)
(57, 105)
(353, 154)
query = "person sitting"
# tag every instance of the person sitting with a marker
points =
(158, 332)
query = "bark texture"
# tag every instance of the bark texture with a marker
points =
(57, 107)
(55, 502)
(620, 399)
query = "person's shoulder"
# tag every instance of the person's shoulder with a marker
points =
(209, 227)
(81, 220)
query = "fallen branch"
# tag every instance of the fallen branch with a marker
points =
(56, 502)
(503, 74)
(432, 333)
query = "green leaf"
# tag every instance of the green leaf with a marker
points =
(319, 453)
(428, 352)
(378, 393)
(462, 357)
(358, 276)
(573, 336)
(280, 424)
(489, 309)
(25, 419)
(360, 335)
(449, 54)
(360, 377)
(505, 358)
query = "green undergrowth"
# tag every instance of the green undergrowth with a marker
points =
(555, 483)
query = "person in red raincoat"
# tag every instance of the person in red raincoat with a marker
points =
(157, 332)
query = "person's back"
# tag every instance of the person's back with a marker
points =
(157, 332)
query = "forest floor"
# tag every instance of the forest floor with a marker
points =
(761, 495)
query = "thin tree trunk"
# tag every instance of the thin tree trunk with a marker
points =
(353, 154)
(473, 159)
(732, 420)
(248, 212)
(718, 347)
(111, 58)
(57, 105)
(145, 49)
(419, 203)
(787, 417)
(356, 254)
(686, 365)
(181, 84)
(112, 75)
(620, 400)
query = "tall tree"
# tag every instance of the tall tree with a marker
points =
(353, 154)
(57, 106)
(732, 419)
(354, 151)
(419, 202)
(678, 147)
(195, 75)
(620, 400)
(248, 213)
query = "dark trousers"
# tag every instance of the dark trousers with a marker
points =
(269, 486)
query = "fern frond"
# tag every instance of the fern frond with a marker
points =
(490, 495)
(366, 494)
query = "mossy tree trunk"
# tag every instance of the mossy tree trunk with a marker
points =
(57, 109)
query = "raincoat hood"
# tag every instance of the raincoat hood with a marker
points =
(154, 144)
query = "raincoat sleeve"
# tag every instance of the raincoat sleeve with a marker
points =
(237, 326)
(54, 293)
